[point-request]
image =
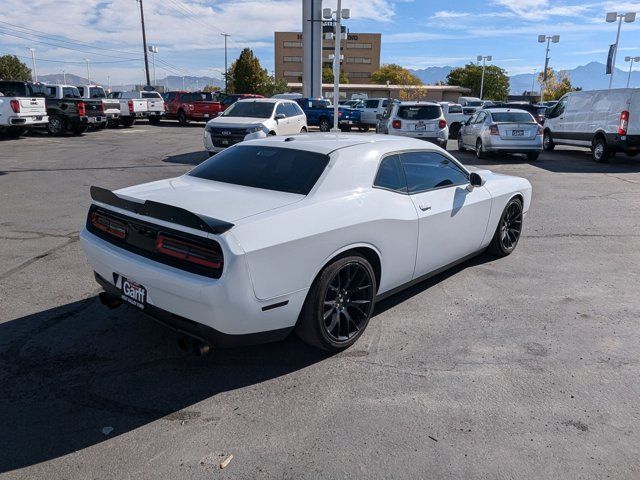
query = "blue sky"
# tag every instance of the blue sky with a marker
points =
(415, 33)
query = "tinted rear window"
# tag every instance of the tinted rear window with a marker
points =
(97, 92)
(422, 112)
(14, 89)
(151, 95)
(271, 168)
(250, 109)
(517, 117)
(455, 109)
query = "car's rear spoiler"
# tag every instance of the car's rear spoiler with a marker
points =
(161, 211)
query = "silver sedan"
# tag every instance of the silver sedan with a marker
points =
(505, 130)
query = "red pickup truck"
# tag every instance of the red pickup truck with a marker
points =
(187, 106)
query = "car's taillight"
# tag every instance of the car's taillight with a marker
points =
(396, 124)
(109, 225)
(624, 123)
(82, 109)
(130, 102)
(15, 106)
(339, 113)
(188, 251)
(493, 130)
(442, 124)
(540, 132)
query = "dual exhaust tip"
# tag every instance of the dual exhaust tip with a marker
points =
(185, 343)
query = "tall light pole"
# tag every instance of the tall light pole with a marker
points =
(611, 17)
(144, 45)
(64, 77)
(548, 39)
(339, 13)
(34, 72)
(153, 49)
(484, 59)
(109, 83)
(226, 71)
(183, 83)
(88, 70)
(632, 60)
(533, 79)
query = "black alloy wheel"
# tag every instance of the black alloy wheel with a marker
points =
(509, 229)
(547, 141)
(57, 125)
(324, 124)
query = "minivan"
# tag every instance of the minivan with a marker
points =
(607, 121)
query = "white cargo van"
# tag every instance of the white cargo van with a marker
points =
(607, 121)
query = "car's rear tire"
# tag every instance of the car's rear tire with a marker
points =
(127, 121)
(547, 141)
(533, 156)
(303, 130)
(57, 125)
(480, 153)
(155, 120)
(182, 118)
(339, 304)
(345, 128)
(600, 151)
(363, 128)
(505, 239)
(324, 124)
(461, 146)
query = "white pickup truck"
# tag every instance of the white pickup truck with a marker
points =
(139, 105)
(111, 108)
(455, 117)
(20, 109)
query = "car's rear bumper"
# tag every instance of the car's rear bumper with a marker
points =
(623, 143)
(512, 146)
(438, 137)
(227, 305)
(28, 121)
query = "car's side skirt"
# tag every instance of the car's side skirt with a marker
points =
(422, 278)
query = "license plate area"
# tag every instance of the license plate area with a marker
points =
(517, 133)
(420, 127)
(132, 292)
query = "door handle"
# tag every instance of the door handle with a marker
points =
(424, 207)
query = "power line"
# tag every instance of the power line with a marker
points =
(191, 15)
(69, 62)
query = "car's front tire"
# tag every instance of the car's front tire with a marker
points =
(505, 239)
(339, 304)
(547, 141)
(480, 153)
(461, 146)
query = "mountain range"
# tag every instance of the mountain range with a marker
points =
(170, 82)
(589, 77)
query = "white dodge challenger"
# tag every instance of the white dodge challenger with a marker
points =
(303, 232)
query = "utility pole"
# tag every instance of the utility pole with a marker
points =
(226, 71)
(144, 44)
(484, 59)
(64, 77)
(88, 70)
(34, 72)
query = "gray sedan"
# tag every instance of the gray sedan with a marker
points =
(505, 130)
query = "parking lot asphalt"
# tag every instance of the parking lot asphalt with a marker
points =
(523, 367)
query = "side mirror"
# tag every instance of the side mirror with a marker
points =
(475, 180)
(280, 116)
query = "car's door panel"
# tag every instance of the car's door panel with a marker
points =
(452, 218)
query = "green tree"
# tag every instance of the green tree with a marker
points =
(211, 88)
(496, 81)
(558, 83)
(11, 68)
(327, 75)
(272, 86)
(395, 75)
(246, 75)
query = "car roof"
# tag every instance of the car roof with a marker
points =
(266, 100)
(505, 110)
(418, 102)
(329, 142)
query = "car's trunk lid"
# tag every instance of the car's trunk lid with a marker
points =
(517, 131)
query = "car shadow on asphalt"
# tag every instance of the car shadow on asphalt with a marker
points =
(559, 161)
(191, 158)
(76, 375)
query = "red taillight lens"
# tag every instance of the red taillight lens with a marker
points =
(396, 124)
(109, 225)
(339, 114)
(15, 106)
(493, 130)
(188, 251)
(82, 110)
(130, 102)
(442, 124)
(624, 123)
(540, 132)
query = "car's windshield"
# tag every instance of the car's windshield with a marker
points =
(151, 95)
(419, 112)
(270, 168)
(250, 109)
(516, 117)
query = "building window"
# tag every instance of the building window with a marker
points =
(292, 59)
(292, 44)
(292, 74)
(361, 46)
(358, 74)
(358, 60)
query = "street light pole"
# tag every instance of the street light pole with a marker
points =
(88, 70)
(153, 49)
(337, 38)
(34, 73)
(226, 71)
(549, 39)
(611, 17)
(484, 58)
(632, 60)
(144, 45)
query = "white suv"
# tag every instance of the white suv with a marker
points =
(423, 120)
(254, 118)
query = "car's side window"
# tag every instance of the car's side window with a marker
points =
(390, 175)
(481, 117)
(280, 109)
(473, 119)
(427, 170)
(290, 109)
(558, 109)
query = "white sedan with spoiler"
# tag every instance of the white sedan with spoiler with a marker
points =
(504, 130)
(302, 232)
